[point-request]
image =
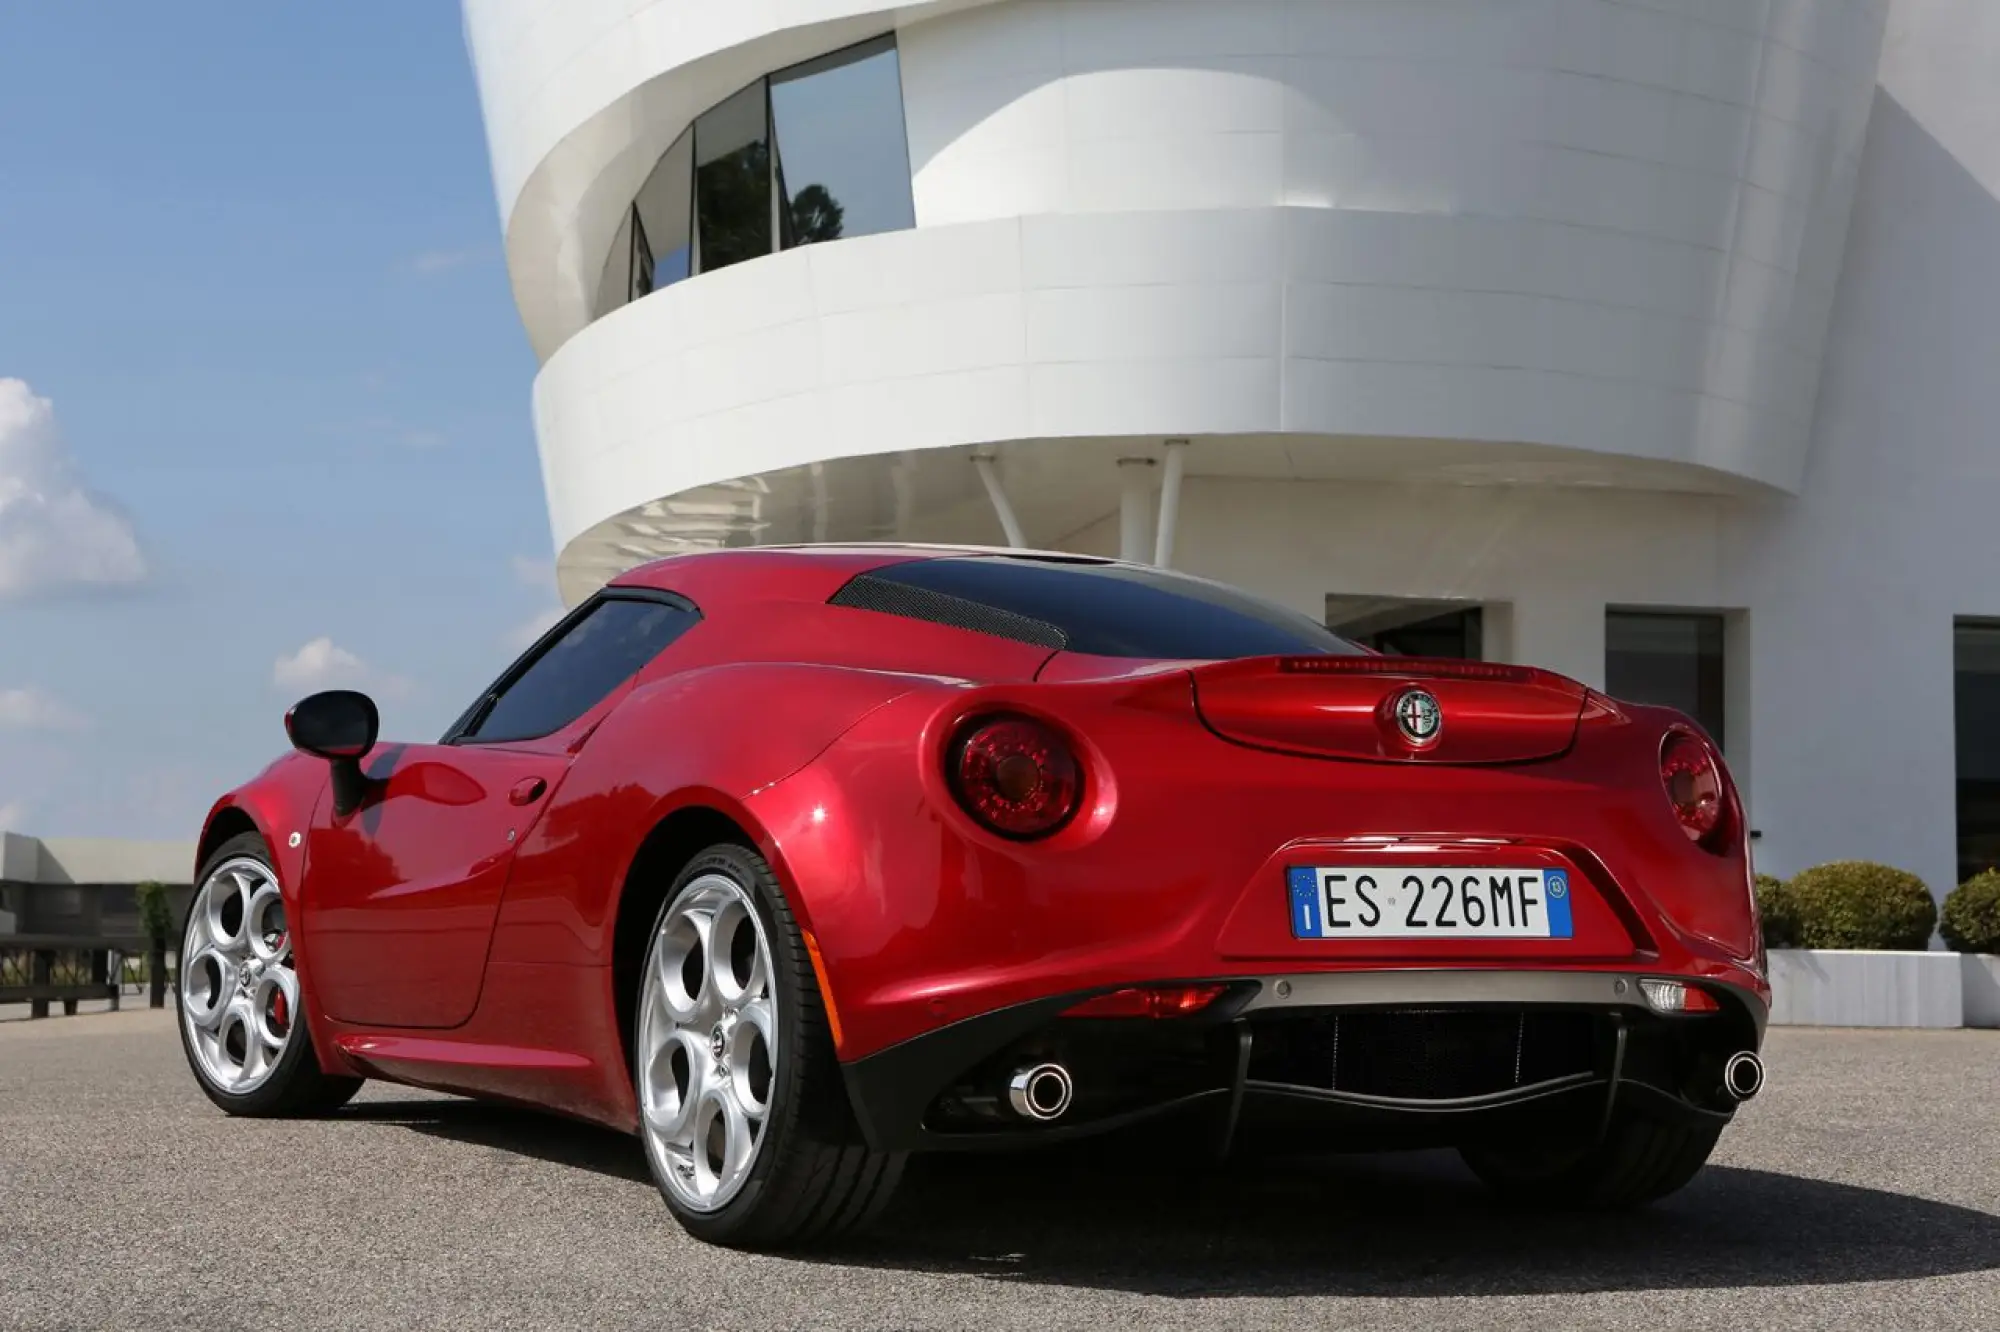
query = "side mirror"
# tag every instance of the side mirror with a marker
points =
(339, 726)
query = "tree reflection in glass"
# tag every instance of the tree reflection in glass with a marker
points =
(843, 156)
(732, 183)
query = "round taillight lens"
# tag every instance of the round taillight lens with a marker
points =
(1016, 776)
(1693, 780)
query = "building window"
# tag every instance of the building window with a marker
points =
(1668, 659)
(843, 155)
(615, 287)
(815, 152)
(664, 213)
(1976, 718)
(641, 266)
(1403, 628)
(732, 180)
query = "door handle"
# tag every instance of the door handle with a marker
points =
(527, 791)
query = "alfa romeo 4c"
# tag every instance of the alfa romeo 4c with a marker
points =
(795, 861)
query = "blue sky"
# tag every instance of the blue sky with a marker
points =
(264, 398)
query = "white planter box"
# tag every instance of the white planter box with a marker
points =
(1982, 989)
(1840, 988)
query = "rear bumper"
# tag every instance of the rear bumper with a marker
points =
(1427, 1059)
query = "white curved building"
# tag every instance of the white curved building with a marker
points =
(1646, 340)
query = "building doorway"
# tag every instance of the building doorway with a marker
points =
(1976, 709)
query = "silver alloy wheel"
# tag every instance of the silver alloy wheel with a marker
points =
(239, 992)
(708, 1042)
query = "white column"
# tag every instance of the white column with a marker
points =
(1002, 507)
(1134, 498)
(1170, 503)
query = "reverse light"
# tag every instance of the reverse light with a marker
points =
(1016, 776)
(1693, 781)
(1148, 1001)
(1672, 996)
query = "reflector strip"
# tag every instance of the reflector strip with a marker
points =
(825, 990)
(1155, 1001)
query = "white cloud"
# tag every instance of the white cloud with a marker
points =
(324, 664)
(13, 815)
(523, 635)
(31, 709)
(54, 533)
(405, 434)
(443, 261)
(541, 576)
(538, 574)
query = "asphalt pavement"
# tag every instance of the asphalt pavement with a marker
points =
(1862, 1190)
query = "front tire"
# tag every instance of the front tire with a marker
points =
(241, 1002)
(742, 1109)
(1640, 1161)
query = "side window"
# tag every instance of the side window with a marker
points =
(601, 651)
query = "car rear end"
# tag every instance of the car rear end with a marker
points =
(1384, 901)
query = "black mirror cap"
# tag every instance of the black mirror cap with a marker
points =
(337, 725)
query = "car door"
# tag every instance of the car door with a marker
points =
(401, 894)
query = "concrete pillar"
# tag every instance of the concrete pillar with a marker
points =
(1135, 504)
(1560, 632)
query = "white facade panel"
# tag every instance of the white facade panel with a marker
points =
(1547, 306)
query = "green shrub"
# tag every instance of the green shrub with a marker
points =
(1857, 904)
(156, 915)
(1971, 919)
(1778, 912)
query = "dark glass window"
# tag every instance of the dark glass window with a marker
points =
(1667, 659)
(732, 165)
(615, 287)
(843, 156)
(1976, 714)
(1418, 630)
(1114, 610)
(641, 267)
(731, 189)
(665, 212)
(594, 655)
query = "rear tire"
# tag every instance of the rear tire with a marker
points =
(750, 1139)
(240, 999)
(1640, 1161)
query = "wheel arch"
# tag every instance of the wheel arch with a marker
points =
(225, 822)
(682, 828)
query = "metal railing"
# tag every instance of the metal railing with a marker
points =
(41, 969)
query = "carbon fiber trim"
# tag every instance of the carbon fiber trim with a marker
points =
(867, 592)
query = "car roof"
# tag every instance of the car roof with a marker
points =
(812, 572)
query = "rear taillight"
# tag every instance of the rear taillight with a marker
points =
(1692, 777)
(1016, 776)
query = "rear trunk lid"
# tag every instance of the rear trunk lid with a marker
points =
(1391, 709)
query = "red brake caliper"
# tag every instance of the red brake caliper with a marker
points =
(280, 1009)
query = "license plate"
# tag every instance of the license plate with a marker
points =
(1366, 902)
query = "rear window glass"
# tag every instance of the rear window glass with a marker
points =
(1108, 610)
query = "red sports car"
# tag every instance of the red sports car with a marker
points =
(794, 861)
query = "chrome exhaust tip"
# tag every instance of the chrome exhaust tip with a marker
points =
(1743, 1076)
(1041, 1092)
